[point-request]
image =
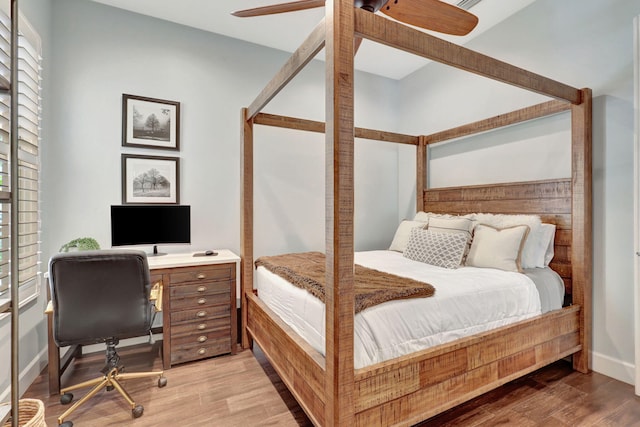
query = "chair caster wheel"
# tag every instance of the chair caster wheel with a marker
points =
(162, 381)
(66, 424)
(110, 387)
(66, 398)
(137, 411)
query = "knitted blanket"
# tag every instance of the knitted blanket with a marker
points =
(307, 271)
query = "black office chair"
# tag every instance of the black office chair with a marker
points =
(101, 296)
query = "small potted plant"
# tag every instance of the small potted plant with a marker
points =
(81, 244)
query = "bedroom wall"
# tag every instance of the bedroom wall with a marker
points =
(582, 43)
(94, 53)
(103, 52)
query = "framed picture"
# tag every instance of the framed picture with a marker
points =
(150, 123)
(150, 179)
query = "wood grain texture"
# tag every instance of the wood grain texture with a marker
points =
(339, 213)
(421, 172)
(299, 366)
(244, 390)
(246, 216)
(446, 375)
(582, 222)
(502, 120)
(199, 319)
(397, 35)
(551, 199)
(319, 127)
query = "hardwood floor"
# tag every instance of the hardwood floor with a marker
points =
(243, 390)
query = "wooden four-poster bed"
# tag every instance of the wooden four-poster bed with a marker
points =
(414, 387)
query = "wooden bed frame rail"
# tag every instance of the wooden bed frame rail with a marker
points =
(409, 389)
(415, 387)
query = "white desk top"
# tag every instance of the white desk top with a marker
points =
(187, 259)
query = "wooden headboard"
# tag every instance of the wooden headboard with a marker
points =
(550, 199)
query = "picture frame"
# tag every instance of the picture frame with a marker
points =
(150, 123)
(150, 179)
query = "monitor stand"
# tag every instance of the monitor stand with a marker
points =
(155, 252)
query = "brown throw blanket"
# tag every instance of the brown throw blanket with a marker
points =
(307, 271)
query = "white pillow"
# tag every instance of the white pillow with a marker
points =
(424, 216)
(534, 247)
(401, 238)
(439, 249)
(497, 248)
(548, 236)
(454, 224)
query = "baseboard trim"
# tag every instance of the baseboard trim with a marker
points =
(614, 368)
(28, 375)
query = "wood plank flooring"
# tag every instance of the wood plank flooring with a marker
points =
(243, 390)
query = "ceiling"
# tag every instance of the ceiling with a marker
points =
(288, 30)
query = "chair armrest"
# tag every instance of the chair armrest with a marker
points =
(156, 295)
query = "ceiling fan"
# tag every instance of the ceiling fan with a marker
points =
(432, 15)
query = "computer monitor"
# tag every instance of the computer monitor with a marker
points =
(150, 225)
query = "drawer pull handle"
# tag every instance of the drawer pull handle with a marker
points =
(202, 301)
(202, 338)
(201, 313)
(201, 276)
(201, 326)
(202, 288)
(202, 351)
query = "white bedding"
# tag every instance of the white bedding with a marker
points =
(468, 300)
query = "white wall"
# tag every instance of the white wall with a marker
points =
(103, 52)
(581, 43)
(94, 53)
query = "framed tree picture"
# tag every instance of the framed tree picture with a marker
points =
(150, 123)
(150, 179)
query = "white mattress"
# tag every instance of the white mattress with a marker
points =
(467, 301)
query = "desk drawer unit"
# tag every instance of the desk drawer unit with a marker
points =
(198, 313)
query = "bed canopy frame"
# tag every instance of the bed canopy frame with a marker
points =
(414, 387)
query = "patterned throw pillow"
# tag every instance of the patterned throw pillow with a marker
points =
(435, 248)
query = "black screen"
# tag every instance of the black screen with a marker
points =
(152, 224)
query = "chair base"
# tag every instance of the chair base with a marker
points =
(110, 380)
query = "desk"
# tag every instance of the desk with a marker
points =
(199, 317)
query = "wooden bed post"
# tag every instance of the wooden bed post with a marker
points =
(339, 47)
(581, 223)
(421, 172)
(246, 219)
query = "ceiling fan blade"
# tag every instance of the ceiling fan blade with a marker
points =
(432, 15)
(279, 8)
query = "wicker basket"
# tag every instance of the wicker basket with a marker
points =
(30, 414)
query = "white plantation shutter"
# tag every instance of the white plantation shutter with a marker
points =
(29, 89)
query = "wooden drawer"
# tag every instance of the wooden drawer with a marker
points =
(205, 273)
(205, 288)
(203, 338)
(188, 352)
(199, 301)
(200, 314)
(200, 326)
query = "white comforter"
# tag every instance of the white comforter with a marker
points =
(468, 300)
